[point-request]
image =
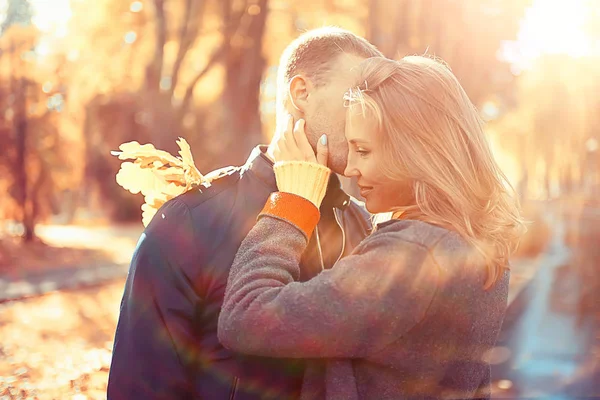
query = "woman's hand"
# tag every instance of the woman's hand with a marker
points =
(293, 145)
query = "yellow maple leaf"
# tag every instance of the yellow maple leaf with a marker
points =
(171, 174)
(148, 213)
(158, 175)
(135, 179)
(131, 150)
(194, 176)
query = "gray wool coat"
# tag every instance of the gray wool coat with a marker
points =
(404, 317)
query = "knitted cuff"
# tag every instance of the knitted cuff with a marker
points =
(294, 209)
(303, 178)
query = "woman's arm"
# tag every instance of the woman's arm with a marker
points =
(365, 302)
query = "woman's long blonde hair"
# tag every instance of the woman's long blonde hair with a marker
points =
(432, 134)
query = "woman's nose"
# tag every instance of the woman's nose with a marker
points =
(350, 171)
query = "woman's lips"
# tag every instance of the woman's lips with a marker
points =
(365, 190)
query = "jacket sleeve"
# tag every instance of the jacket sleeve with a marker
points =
(156, 311)
(365, 302)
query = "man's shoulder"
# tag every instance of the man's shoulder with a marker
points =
(221, 186)
(198, 203)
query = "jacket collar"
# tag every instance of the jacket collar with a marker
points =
(262, 167)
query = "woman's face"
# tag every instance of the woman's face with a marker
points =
(381, 193)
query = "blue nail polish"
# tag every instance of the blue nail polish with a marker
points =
(324, 140)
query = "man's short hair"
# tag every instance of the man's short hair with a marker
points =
(313, 52)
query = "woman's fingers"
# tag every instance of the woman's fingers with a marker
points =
(282, 151)
(322, 150)
(293, 145)
(289, 149)
(289, 134)
(302, 142)
(276, 152)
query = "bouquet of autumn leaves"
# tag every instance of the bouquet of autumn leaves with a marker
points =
(158, 175)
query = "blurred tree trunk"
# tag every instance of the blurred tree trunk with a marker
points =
(20, 168)
(566, 180)
(20, 190)
(243, 24)
(27, 185)
(244, 66)
(31, 142)
(156, 102)
(158, 98)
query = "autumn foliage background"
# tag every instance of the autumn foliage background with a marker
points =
(80, 77)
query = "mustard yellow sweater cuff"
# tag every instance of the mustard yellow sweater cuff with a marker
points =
(303, 178)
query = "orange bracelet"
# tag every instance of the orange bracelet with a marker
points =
(293, 208)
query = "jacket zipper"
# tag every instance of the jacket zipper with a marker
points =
(319, 248)
(341, 225)
(234, 388)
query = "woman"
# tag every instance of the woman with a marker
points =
(415, 310)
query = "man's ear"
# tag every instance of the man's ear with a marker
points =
(299, 90)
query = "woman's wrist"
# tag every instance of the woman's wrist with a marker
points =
(303, 178)
(294, 209)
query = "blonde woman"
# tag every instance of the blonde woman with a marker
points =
(413, 312)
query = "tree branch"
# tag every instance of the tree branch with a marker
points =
(229, 28)
(194, 9)
(232, 20)
(189, 93)
(154, 69)
(183, 43)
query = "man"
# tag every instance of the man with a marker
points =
(166, 344)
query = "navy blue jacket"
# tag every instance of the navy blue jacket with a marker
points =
(166, 344)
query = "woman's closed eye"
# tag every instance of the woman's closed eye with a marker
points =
(362, 152)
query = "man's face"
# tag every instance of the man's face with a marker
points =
(326, 113)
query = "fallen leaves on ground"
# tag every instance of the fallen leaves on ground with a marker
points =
(59, 346)
(37, 257)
